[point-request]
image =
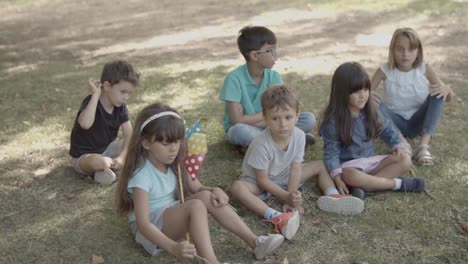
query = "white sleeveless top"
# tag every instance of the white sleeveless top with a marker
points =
(405, 92)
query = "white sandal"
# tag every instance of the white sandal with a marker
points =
(423, 156)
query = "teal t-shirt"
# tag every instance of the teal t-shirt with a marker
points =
(160, 187)
(239, 87)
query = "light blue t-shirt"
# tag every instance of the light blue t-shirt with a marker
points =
(239, 87)
(161, 187)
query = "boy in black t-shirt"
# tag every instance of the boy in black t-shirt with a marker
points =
(94, 148)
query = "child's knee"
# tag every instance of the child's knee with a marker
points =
(197, 206)
(405, 162)
(347, 177)
(102, 162)
(95, 162)
(236, 187)
(205, 196)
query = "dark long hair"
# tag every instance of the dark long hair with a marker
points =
(166, 128)
(348, 78)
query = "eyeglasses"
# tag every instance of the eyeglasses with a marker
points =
(272, 50)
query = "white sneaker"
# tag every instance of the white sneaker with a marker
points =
(265, 245)
(341, 204)
(104, 177)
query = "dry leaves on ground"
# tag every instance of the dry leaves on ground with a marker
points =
(97, 260)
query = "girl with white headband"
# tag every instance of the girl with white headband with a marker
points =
(148, 189)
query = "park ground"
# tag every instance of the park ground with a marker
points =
(49, 48)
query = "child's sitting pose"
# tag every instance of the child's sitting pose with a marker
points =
(350, 124)
(243, 88)
(273, 166)
(94, 148)
(413, 94)
(148, 188)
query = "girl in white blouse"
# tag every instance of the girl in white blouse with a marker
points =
(414, 95)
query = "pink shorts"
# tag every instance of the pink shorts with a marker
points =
(365, 165)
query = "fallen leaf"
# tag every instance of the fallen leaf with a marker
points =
(52, 196)
(316, 221)
(380, 197)
(69, 195)
(41, 173)
(285, 260)
(97, 260)
(465, 228)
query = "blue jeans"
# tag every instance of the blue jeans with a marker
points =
(243, 134)
(424, 121)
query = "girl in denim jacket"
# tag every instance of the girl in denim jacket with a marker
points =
(349, 126)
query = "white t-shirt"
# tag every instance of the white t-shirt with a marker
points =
(264, 154)
(405, 92)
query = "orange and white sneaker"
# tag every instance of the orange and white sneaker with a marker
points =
(341, 204)
(287, 224)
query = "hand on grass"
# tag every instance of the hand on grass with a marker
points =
(219, 197)
(340, 185)
(184, 250)
(94, 87)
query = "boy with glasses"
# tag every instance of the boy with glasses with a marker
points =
(243, 88)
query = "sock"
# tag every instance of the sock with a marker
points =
(271, 213)
(397, 184)
(330, 191)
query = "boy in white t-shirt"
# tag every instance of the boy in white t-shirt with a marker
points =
(273, 166)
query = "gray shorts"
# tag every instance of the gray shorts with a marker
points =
(156, 219)
(112, 151)
(283, 183)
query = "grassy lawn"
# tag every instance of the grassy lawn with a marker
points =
(48, 49)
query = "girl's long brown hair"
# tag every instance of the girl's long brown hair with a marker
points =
(348, 78)
(166, 128)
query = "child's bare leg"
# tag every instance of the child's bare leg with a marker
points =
(246, 193)
(356, 178)
(94, 162)
(393, 166)
(313, 169)
(317, 168)
(191, 216)
(425, 139)
(226, 217)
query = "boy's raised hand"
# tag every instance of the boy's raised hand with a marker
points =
(94, 86)
(184, 250)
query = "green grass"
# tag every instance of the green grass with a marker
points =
(184, 50)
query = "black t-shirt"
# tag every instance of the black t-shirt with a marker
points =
(103, 131)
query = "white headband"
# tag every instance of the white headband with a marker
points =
(153, 117)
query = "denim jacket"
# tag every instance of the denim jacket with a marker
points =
(335, 154)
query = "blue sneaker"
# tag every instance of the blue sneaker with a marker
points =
(416, 184)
